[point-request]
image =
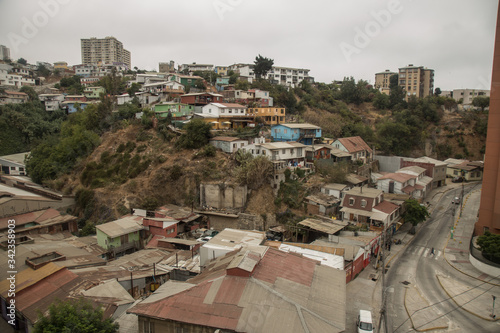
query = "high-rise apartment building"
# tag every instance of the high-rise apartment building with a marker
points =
(382, 81)
(489, 208)
(4, 52)
(417, 81)
(107, 50)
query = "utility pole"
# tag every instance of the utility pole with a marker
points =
(383, 309)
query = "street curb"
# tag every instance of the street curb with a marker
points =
(461, 307)
(456, 268)
(411, 319)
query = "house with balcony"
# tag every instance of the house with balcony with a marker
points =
(201, 99)
(51, 102)
(86, 70)
(185, 80)
(292, 153)
(355, 146)
(269, 115)
(364, 206)
(303, 133)
(89, 80)
(121, 236)
(94, 92)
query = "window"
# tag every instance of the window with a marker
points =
(351, 201)
(285, 130)
(363, 203)
(283, 151)
(291, 151)
(13, 168)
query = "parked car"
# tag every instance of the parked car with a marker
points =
(458, 179)
(364, 322)
(456, 201)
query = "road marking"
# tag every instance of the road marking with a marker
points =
(437, 255)
(425, 252)
(420, 251)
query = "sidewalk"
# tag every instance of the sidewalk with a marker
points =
(476, 301)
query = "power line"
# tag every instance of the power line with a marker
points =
(447, 299)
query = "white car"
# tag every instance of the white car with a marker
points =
(456, 201)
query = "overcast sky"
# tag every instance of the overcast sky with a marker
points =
(332, 38)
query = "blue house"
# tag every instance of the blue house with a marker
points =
(303, 133)
(70, 106)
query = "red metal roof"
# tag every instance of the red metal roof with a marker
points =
(386, 207)
(214, 303)
(354, 144)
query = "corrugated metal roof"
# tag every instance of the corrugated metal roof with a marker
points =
(299, 126)
(123, 226)
(323, 226)
(29, 277)
(275, 298)
(354, 144)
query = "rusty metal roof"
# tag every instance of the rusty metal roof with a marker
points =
(324, 226)
(286, 293)
(38, 289)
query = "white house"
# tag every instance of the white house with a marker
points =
(293, 153)
(217, 110)
(399, 183)
(334, 189)
(228, 144)
(51, 102)
(421, 180)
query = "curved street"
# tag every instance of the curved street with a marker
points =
(430, 284)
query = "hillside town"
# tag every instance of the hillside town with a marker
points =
(213, 265)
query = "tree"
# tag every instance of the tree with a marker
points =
(200, 84)
(196, 136)
(135, 87)
(414, 212)
(437, 91)
(489, 244)
(262, 66)
(397, 93)
(43, 71)
(481, 101)
(381, 101)
(32, 95)
(78, 316)
(22, 61)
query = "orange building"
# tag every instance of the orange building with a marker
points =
(270, 115)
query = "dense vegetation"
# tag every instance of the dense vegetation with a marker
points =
(490, 246)
(23, 126)
(74, 316)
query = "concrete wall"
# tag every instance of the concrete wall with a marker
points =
(242, 221)
(485, 268)
(16, 206)
(223, 195)
(388, 163)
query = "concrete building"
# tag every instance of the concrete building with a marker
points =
(417, 81)
(190, 68)
(4, 52)
(433, 168)
(489, 209)
(13, 97)
(166, 67)
(382, 81)
(287, 76)
(466, 96)
(228, 144)
(104, 51)
(51, 102)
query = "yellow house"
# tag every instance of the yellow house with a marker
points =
(61, 65)
(270, 115)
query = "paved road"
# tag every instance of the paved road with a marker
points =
(416, 297)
